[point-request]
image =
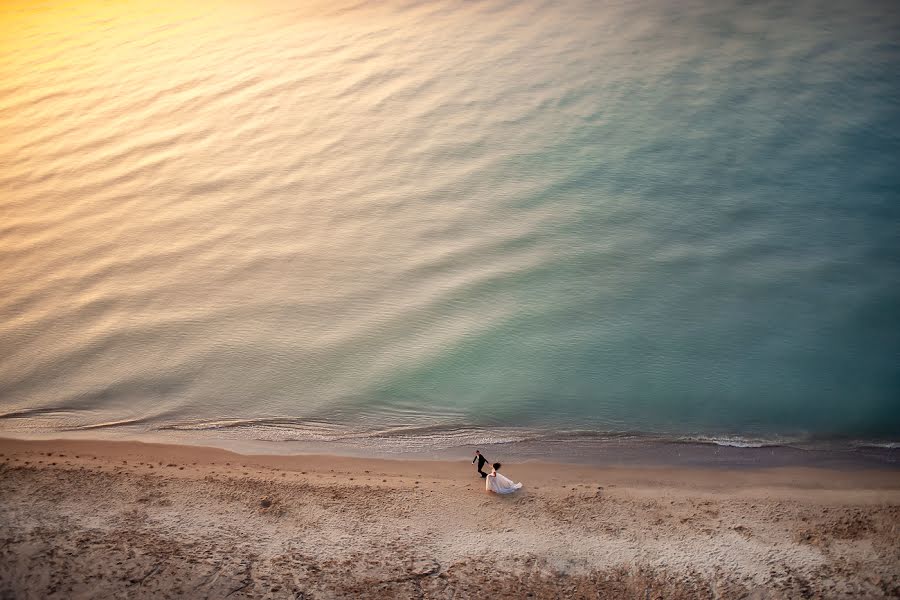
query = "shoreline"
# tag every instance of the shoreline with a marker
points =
(797, 475)
(101, 518)
(583, 448)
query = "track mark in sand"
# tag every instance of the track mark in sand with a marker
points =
(211, 578)
(248, 579)
(147, 575)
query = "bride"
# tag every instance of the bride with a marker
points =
(497, 483)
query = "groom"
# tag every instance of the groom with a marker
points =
(481, 462)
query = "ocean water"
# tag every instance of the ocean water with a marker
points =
(428, 223)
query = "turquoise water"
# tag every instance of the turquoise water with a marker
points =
(451, 222)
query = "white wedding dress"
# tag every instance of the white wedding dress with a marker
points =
(495, 482)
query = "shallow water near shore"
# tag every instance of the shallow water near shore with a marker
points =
(417, 226)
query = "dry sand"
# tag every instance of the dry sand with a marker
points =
(129, 520)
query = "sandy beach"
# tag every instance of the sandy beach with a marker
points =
(82, 519)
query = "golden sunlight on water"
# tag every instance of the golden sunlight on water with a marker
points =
(187, 184)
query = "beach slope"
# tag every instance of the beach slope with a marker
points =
(85, 519)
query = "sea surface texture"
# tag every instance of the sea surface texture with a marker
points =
(450, 221)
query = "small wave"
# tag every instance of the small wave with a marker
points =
(30, 413)
(399, 436)
(443, 436)
(735, 441)
(871, 445)
(108, 424)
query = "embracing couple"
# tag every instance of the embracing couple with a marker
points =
(494, 481)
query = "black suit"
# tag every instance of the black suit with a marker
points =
(481, 462)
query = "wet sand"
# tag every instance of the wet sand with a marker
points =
(83, 519)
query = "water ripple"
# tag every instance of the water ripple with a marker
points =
(413, 223)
